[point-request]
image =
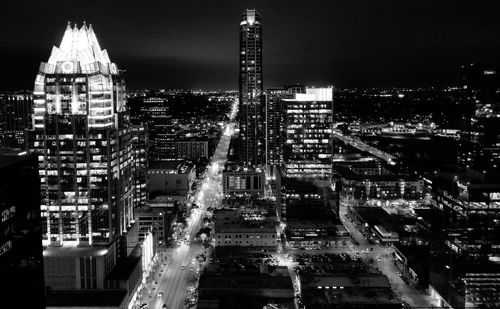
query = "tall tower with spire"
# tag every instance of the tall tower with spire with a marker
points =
(251, 87)
(82, 138)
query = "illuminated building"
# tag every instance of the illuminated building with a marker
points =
(163, 131)
(21, 262)
(157, 217)
(192, 148)
(273, 122)
(82, 138)
(232, 230)
(16, 109)
(308, 128)
(251, 111)
(242, 181)
(363, 181)
(348, 290)
(140, 145)
(480, 125)
(465, 254)
(83, 142)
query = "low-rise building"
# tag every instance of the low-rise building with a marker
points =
(316, 234)
(157, 217)
(243, 181)
(192, 148)
(220, 288)
(312, 224)
(361, 182)
(390, 228)
(362, 290)
(171, 177)
(233, 230)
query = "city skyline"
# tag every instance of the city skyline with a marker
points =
(393, 44)
(295, 191)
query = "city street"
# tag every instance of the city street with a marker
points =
(382, 259)
(356, 143)
(180, 273)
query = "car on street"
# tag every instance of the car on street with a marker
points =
(160, 294)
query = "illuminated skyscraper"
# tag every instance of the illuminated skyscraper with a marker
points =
(82, 137)
(251, 89)
(308, 133)
(83, 140)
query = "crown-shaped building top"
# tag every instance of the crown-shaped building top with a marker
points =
(79, 45)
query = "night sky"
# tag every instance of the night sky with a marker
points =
(194, 44)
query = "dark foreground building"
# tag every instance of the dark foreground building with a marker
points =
(21, 262)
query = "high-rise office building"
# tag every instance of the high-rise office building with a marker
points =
(16, 109)
(274, 121)
(140, 143)
(308, 144)
(480, 125)
(162, 128)
(82, 138)
(251, 109)
(465, 251)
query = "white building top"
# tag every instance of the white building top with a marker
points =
(79, 45)
(315, 94)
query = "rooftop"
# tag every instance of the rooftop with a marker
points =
(77, 251)
(349, 174)
(371, 280)
(238, 225)
(275, 284)
(179, 167)
(234, 167)
(79, 46)
(86, 298)
(314, 94)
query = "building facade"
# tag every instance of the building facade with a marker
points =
(140, 144)
(82, 138)
(243, 181)
(21, 261)
(233, 231)
(464, 269)
(192, 148)
(171, 178)
(360, 182)
(251, 89)
(16, 109)
(308, 145)
(162, 128)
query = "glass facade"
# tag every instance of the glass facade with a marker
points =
(82, 138)
(308, 133)
(251, 108)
